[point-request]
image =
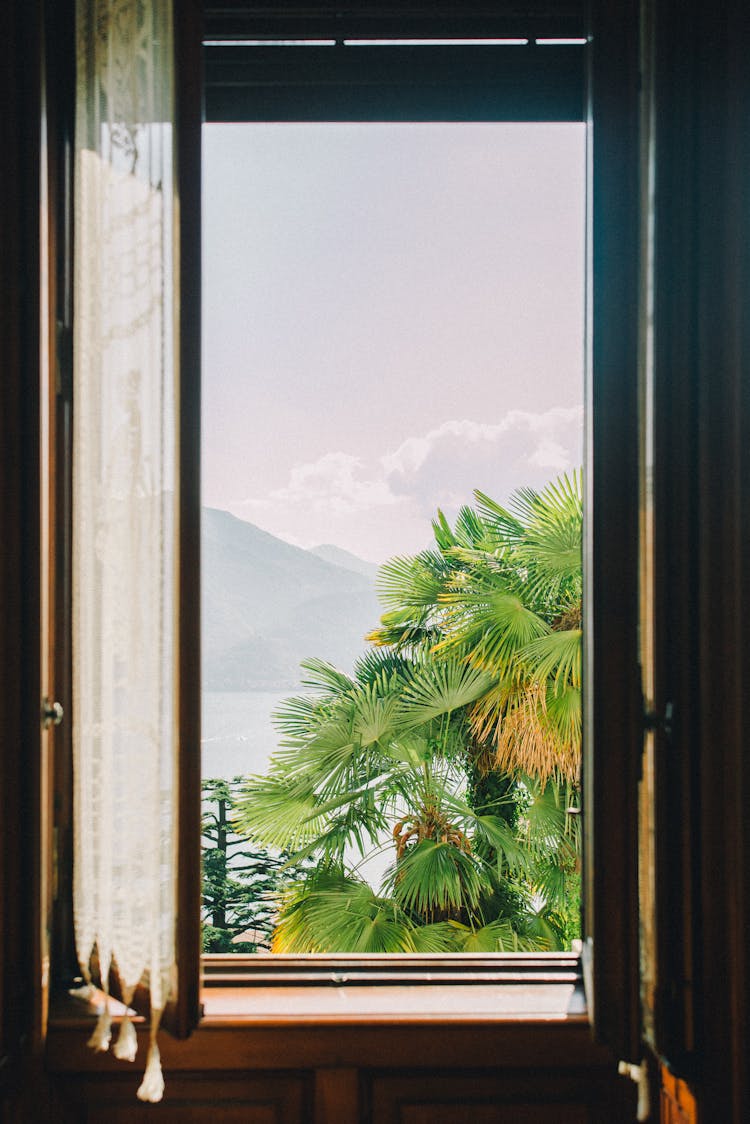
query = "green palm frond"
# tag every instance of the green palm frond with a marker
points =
(471, 532)
(440, 936)
(551, 544)
(498, 936)
(511, 853)
(331, 746)
(411, 582)
(296, 717)
(435, 877)
(563, 713)
(545, 815)
(504, 528)
(437, 688)
(412, 747)
(551, 883)
(443, 532)
(339, 914)
(323, 677)
(495, 625)
(404, 629)
(375, 711)
(556, 656)
(374, 663)
(278, 813)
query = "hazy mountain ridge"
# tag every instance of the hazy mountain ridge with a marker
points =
(267, 605)
(340, 557)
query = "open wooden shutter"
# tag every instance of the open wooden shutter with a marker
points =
(182, 1015)
(612, 702)
(700, 417)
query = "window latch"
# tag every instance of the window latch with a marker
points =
(653, 720)
(51, 713)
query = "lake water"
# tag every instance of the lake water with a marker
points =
(238, 734)
(239, 738)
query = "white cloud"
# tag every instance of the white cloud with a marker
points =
(336, 482)
(443, 467)
(383, 506)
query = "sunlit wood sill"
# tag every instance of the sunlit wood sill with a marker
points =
(374, 991)
(302, 1012)
(380, 989)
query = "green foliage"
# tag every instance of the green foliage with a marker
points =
(242, 883)
(457, 737)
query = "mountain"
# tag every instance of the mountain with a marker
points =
(347, 561)
(268, 605)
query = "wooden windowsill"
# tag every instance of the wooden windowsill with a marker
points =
(455, 1003)
(381, 989)
(297, 1013)
(287, 1023)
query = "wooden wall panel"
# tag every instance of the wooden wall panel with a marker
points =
(483, 1073)
(201, 1098)
(542, 1096)
(345, 1096)
(337, 1095)
(491, 1114)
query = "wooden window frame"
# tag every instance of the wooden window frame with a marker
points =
(406, 83)
(612, 695)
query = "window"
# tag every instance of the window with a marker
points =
(349, 80)
(235, 80)
(393, 319)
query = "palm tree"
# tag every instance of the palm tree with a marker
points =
(456, 742)
(375, 761)
(502, 591)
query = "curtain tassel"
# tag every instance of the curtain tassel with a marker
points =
(102, 1035)
(152, 1086)
(126, 1046)
(85, 992)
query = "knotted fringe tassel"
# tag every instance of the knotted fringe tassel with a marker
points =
(152, 1086)
(85, 992)
(102, 1035)
(126, 1046)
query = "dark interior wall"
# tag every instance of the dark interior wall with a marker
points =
(19, 523)
(702, 423)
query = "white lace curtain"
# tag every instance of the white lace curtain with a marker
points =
(124, 520)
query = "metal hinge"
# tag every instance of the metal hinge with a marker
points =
(51, 713)
(653, 720)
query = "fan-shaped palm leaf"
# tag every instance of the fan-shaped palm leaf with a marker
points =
(340, 914)
(493, 624)
(556, 656)
(411, 582)
(498, 936)
(436, 688)
(436, 878)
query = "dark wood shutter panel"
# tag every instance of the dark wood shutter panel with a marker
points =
(182, 1016)
(612, 702)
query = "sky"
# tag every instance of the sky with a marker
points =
(392, 317)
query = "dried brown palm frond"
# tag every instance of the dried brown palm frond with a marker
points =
(525, 739)
(571, 618)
